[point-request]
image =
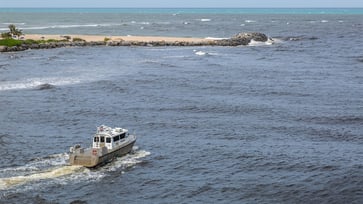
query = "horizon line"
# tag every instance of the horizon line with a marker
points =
(181, 7)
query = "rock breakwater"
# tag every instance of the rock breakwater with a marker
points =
(237, 40)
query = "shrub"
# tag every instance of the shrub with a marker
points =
(78, 40)
(6, 35)
(31, 41)
(10, 42)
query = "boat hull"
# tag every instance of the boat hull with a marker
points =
(94, 157)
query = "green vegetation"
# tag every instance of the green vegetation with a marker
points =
(78, 40)
(6, 35)
(66, 37)
(10, 42)
(106, 39)
(13, 32)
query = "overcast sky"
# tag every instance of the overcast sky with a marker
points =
(183, 3)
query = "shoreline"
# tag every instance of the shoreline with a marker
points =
(40, 41)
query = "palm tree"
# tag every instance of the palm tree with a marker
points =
(14, 31)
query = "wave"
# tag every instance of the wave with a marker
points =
(65, 26)
(296, 38)
(270, 41)
(250, 21)
(203, 53)
(38, 83)
(205, 19)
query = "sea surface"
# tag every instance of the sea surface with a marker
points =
(264, 123)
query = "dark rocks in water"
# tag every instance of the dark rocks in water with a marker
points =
(45, 86)
(260, 37)
(242, 39)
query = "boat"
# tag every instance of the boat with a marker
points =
(108, 143)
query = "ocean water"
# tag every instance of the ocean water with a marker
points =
(276, 123)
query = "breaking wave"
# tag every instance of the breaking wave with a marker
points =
(37, 83)
(63, 26)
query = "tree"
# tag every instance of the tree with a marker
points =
(13, 32)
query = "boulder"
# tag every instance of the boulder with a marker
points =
(251, 36)
(242, 39)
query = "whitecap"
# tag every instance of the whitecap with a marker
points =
(14, 23)
(324, 21)
(254, 43)
(250, 21)
(205, 19)
(200, 53)
(35, 82)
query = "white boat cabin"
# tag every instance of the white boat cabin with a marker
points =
(109, 137)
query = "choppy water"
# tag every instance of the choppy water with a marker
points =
(281, 123)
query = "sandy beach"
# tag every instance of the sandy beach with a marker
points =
(97, 38)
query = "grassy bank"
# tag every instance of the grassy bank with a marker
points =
(10, 42)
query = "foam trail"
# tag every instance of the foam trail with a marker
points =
(6, 183)
(55, 169)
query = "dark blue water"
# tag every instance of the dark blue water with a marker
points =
(280, 123)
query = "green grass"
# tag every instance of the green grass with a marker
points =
(10, 42)
(78, 40)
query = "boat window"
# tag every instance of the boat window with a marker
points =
(116, 138)
(108, 140)
(96, 139)
(102, 139)
(122, 135)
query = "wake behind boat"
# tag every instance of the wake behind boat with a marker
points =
(108, 143)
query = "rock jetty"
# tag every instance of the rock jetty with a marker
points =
(237, 40)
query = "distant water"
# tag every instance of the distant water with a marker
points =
(277, 123)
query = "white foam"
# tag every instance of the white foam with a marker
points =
(324, 21)
(48, 174)
(13, 23)
(205, 19)
(34, 82)
(54, 169)
(200, 53)
(250, 21)
(127, 161)
(213, 38)
(254, 43)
